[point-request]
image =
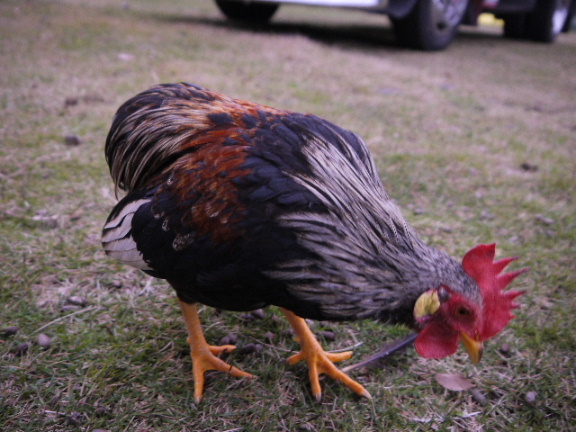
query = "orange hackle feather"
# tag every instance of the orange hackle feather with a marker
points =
(480, 265)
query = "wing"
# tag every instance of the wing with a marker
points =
(240, 205)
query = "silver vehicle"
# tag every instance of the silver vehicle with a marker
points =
(432, 24)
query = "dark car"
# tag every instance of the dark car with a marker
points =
(432, 24)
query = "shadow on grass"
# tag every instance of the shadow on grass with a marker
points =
(352, 36)
(366, 36)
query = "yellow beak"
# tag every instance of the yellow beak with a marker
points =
(473, 346)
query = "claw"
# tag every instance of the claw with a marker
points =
(319, 361)
(204, 356)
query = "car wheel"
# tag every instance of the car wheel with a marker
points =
(431, 25)
(515, 26)
(547, 20)
(570, 17)
(253, 12)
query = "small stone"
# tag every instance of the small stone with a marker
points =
(76, 300)
(21, 349)
(544, 220)
(126, 57)
(505, 349)
(10, 331)
(486, 215)
(72, 140)
(246, 317)
(70, 101)
(328, 335)
(45, 219)
(250, 348)
(116, 284)
(258, 313)
(531, 397)
(229, 339)
(76, 215)
(44, 341)
(75, 419)
(478, 396)
(102, 411)
(526, 166)
(92, 98)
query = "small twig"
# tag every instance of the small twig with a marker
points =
(148, 289)
(55, 412)
(63, 318)
(293, 351)
(350, 348)
(261, 342)
(386, 351)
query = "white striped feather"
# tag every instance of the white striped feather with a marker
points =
(362, 225)
(117, 239)
(355, 194)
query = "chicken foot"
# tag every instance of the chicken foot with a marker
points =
(204, 356)
(319, 361)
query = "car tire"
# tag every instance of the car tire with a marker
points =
(547, 20)
(515, 26)
(431, 25)
(249, 13)
(570, 17)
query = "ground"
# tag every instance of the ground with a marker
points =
(475, 143)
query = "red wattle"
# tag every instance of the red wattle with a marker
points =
(436, 341)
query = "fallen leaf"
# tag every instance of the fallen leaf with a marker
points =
(454, 382)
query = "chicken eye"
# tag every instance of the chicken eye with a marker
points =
(463, 311)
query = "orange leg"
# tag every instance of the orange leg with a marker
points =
(204, 356)
(319, 361)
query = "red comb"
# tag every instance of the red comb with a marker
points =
(480, 265)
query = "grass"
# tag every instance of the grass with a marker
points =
(449, 131)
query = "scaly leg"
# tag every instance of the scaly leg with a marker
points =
(319, 361)
(204, 355)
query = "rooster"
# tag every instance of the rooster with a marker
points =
(240, 206)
